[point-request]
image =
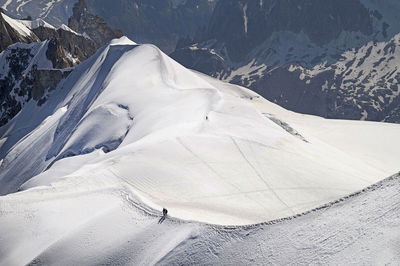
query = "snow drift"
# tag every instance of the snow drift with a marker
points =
(130, 131)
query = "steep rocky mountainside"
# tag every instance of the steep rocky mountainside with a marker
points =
(161, 22)
(29, 68)
(35, 53)
(84, 35)
(95, 27)
(331, 58)
(68, 48)
(26, 73)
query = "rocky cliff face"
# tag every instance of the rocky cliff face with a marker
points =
(30, 69)
(67, 49)
(9, 35)
(35, 53)
(329, 58)
(26, 74)
(95, 27)
(161, 22)
(249, 23)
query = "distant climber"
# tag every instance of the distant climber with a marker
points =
(206, 117)
(164, 212)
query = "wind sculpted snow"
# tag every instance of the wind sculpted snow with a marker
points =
(131, 131)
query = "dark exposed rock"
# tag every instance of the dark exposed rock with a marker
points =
(45, 33)
(46, 80)
(24, 81)
(83, 21)
(56, 54)
(203, 60)
(284, 87)
(161, 22)
(242, 25)
(79, 47)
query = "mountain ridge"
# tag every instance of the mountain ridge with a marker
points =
(259, 57)
(21, 76)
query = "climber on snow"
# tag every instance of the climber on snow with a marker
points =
(164, 212)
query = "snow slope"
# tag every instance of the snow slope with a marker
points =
(56, 12)
(25, 27)
(111, 226)
(20, 27)
(130, 131)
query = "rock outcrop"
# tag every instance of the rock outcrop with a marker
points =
(95, 27)
(35, 54)
(161, 22)
(26, 74)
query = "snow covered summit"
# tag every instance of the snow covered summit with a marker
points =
(130, 131)
(209, 151)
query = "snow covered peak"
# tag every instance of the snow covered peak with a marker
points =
(207, 150)
(16, 24)
(122, 41)
(66, 28)
(36, 23)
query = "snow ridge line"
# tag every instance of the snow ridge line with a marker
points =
(370, 188)
(152, 212)
(166, 77)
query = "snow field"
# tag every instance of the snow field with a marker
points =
(131, 131)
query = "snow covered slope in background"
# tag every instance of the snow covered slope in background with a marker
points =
(56, 12)
(16, 24)
(332, 58)
(130, 131)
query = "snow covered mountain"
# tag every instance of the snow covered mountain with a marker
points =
(12, 31)
(35, 51)
(28, 68)
(335, 59)
(81, 23)
(130, 131)
(55, 12)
